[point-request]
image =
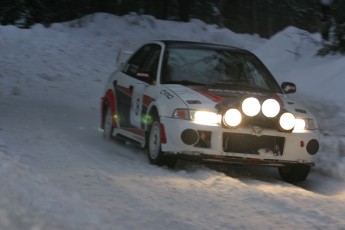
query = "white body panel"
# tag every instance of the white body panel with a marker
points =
(135, 98)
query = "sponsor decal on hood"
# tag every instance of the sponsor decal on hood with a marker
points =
(204, 94)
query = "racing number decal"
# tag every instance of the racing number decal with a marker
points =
(137, 107)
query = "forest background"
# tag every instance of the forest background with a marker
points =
(262, 17)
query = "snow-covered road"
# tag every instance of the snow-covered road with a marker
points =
(65, 176)
(56, 171)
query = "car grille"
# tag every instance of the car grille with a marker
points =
(260, 120)
(250, 144)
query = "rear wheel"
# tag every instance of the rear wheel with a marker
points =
(293, 174)
(153, 146)
(108, 125)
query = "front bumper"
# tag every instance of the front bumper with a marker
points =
(249, 145)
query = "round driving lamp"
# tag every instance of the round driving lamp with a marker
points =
(287, 121)
(251, 106)
(232, 117)
(270, 108)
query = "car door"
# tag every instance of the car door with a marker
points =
(140, 73)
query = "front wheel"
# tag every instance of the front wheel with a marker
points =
(293, 174)
(153, 147)
(154, 144)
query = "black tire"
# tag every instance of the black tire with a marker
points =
(108, 125)
(293, 174)
(153, 146)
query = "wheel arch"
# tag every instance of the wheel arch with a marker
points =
(153, 114)
(153, 111)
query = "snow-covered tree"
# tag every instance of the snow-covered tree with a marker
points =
(333, 27)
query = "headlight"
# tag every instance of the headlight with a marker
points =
(200, 117)
(181, 114)
(232, 117)
(205, 117)
(305, 124)
(299, 124)
(270, 108)
(287, 121)
(251, 106)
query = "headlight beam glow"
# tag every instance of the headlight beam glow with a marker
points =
(206, 117)
(300, 124)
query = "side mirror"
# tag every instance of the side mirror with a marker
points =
(288, 87)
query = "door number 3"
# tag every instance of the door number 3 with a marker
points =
(137, 107)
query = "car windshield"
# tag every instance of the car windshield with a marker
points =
(217, 67)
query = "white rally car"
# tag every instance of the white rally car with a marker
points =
(210, 103)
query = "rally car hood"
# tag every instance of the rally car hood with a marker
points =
(216, 97)
(206, 97)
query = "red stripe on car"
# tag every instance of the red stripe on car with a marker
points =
(209, 95)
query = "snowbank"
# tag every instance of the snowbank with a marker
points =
(51, 80)
(291, 56)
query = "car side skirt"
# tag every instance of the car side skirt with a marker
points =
(131, 134)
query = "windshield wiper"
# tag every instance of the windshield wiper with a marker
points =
(241, 85)
(184, 82)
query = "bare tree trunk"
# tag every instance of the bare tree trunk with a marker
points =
(326, 7)
(184, 6)
(165, 9)
(254, 9)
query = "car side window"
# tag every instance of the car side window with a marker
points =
(144, 60)
(151, 63)
(135, 61)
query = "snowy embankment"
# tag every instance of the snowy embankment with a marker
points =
(57, 173)
(291, 56)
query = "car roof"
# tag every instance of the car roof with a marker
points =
(201, 45)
